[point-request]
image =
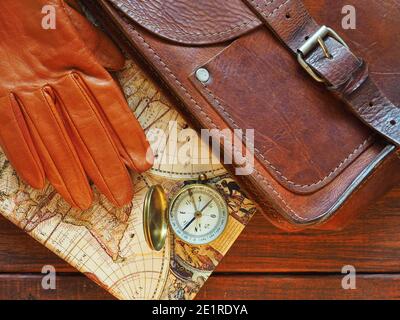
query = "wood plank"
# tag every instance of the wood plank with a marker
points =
(21, 253)
(371, 244)
(326, 287)
(68, 287)
(219, 287)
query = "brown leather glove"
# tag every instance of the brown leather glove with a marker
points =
(62, 116)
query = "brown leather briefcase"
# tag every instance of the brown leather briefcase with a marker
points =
(324, 107)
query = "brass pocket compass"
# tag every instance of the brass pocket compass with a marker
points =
(197, 214)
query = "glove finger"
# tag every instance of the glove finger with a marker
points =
(124, 128)
(17, 143)
(97, 151)
(104, 50)
(59, 158)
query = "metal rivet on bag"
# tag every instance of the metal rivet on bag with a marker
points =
(202, 75)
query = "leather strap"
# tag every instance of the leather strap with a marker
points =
(328, 59)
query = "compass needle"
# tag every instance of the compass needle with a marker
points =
(192, 198)
(208, 203)
(189, 224)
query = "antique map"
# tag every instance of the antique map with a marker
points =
(108, 244)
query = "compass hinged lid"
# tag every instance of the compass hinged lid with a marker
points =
(155, 217)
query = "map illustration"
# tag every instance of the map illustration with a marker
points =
(108, 244)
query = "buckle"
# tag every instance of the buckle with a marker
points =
(317, 39)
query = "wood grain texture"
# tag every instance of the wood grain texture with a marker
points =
(21, 253)
(221, 287)
(282, 287)
(68, 287)
(263, 264)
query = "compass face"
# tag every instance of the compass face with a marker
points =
(198, 214)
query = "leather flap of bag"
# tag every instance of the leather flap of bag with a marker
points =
(304, 137)
(191, 22)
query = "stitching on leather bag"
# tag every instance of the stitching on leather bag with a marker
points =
(263, 179)
(269, 164)
(231, 28)
(266, 3)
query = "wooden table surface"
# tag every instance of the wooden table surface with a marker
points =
(264, 263)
